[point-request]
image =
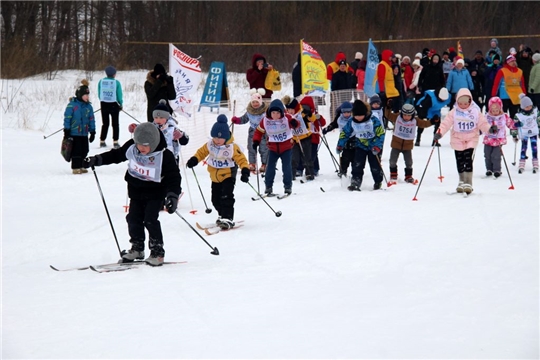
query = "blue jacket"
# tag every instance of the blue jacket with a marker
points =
(365, 144)
(458, 79)
(79, 118)
(435, 106)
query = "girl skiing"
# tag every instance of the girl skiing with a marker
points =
(528, 121)
(493, 142)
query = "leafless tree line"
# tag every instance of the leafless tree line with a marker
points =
(47, 36)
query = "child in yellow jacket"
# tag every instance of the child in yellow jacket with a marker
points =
(224, 158)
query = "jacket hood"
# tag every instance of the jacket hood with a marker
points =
(254, 59)
(431, 60)
(340, 56)
(386, 54)
(275, 105)
(308, 100)
(464, 92)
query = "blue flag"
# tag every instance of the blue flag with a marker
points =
(371, 69)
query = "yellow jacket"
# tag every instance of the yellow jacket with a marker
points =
(217, 175)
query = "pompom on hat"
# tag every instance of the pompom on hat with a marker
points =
(147, 134)
(443, 94)
(83, 89)
(257, 94)
(161, 110)
(524, 101)
(221, 129)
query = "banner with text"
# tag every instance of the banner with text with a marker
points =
(371, 69)
(216, 89)
(186, 72)
(314, 80)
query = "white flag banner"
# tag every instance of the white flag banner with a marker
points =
(186, 72)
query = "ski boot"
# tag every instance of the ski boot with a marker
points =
(155, 259)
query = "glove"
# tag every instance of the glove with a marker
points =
(307, 110)
(324, 131)
(294, 123)
(171, 203)
(515, 138)
(93, 161)
(192, 162)
(92, 136)
(245, 175)
(518, 124)
(132, 127)
(170, 80)
(120, 107)
(236, 120)
(255, 145)
(493, 129)
(339, 149)
(437, 136)
(375, 150)
(67, 133)
(177, 134)
(532, 91)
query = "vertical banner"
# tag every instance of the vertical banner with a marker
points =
(371, 69)
(216, 88)
(186, 72)
(460, 50)
(314, 81)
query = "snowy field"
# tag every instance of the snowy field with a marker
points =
(370, 274)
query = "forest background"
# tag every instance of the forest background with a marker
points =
(48, 36)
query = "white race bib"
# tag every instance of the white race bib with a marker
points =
(363, 130)
(220, 157)
(144, 167)
(405, 130)
(108, 90)
(465, 121)
(277, 130)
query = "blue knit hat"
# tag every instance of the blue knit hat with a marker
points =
(161, 110)
(221, 129)
(110, 71)
(346, 106)
(275, 105)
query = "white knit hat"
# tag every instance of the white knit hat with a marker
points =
(416, 62)
(536, 57)
(418, 56)
(359, 55)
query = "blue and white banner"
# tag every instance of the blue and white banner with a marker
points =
(215, 89)
(371, 69)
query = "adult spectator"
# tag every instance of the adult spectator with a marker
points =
(534, 81)
(458, 78)
(158, 85)
(525, 63)
(256, 75)
(356, 62)
(385, 79)
(508, 84)
(493, 46)
(432, 75)
(489, 75)
(407, 71)
(297, 77)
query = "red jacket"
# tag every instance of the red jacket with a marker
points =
(381, 70)
(256, 78)
(277, 147)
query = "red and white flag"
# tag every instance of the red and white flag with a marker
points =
(186, 72)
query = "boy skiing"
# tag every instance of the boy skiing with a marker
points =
(527, 121)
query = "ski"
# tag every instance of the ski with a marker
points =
(213, 225)
(105, 266)
(71, 269)
(217, 229)
(127, 266)
(281, 197)
(263, 196)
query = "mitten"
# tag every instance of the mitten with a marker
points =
(515, 138)
(192, 162)
(375, 150)
(518, 124)
(120, 107)
(255, 145)
(132, 127)
(294, 123)
(92, 136)
(177, 134)
(92, 161)
(236, 120)
(171, 203)
(324, 131)
(339, 149)
(437, 136)
(67, 133)
(245, 175)
(493, 129)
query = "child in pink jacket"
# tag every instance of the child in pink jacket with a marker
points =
(465, 121)
(493, 142)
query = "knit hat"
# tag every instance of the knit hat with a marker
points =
(416, 62)
(460, 61)
(256, 97)
(536, 57)
(110, 71)
(408, 109)
(82, 90)
(495, 100)
(359, 55)
(159, 69)
(451, 49)
(406, 57)
(479, 52)
(510, 58)
(147, 134)
(275, 105)
(524, 101)
(359, 108)
(290, 103)
(496, 41)
(161, 110)
(375, 99)
(443, 94)
(342, 62)
(418, 56)
(346, 107)
(496, 57)
(220, 128)
(513, 51)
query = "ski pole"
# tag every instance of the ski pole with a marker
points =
(208, 210)
(130, 116)
(56, 132)
(278, 213)
(439, 155)
(257, 173)
(515, 152)
(215, 250)
(388, 183)
(508, 172)
(193, 211)
(107, 210)
(424, 173)
(337, 166)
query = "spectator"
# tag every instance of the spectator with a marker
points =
(356, 62)
(489, 75)
(447, 64)
(534, 81)
(494, 46)
(158, 85)
(385, 80)
(432, 75)
(525, 63)
(256, 75)
(508, 84)
(458, 78)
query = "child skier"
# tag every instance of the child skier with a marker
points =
(348, 150)
(368, 133)
(465, 119)
(167, 125)
(78, 122)
(277, 126)
(302, 138)
(493, 142)
(429, 107)
(405, 124)
(152, 176)
(254, 114)
(527, 120)
(224, 158)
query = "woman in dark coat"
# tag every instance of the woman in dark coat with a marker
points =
(158, 85)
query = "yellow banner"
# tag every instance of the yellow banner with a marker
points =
(314, 80)
(460, 50)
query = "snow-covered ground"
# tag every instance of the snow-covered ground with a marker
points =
(370, 274)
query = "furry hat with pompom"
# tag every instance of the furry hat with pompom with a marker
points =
(257, 94)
